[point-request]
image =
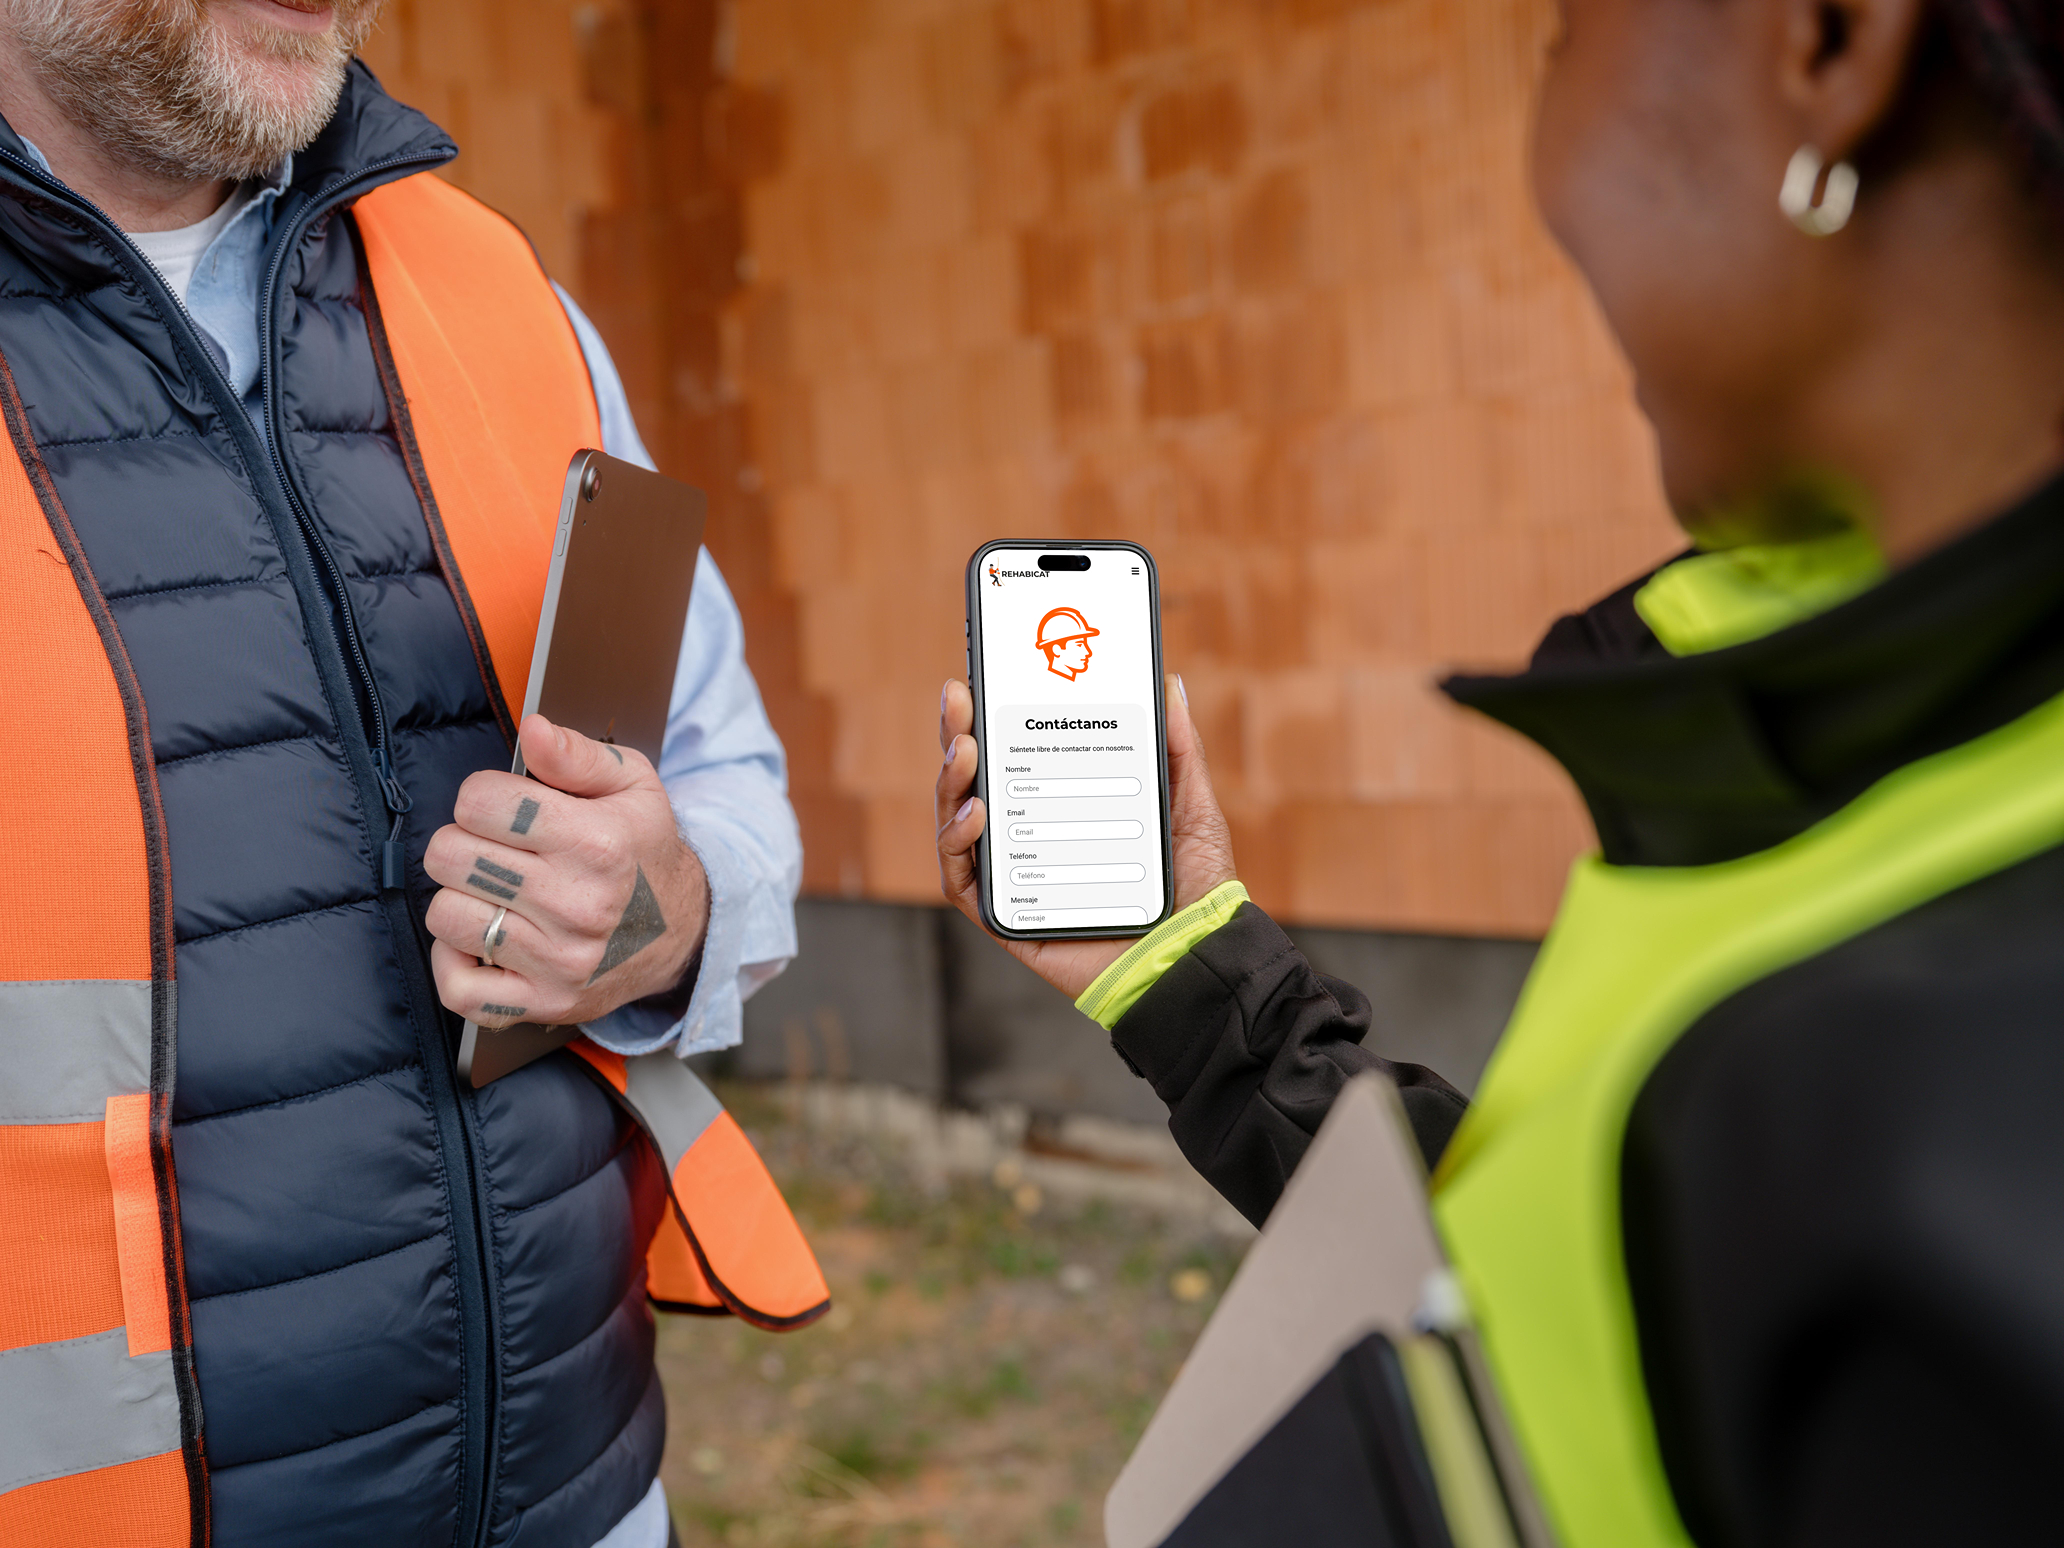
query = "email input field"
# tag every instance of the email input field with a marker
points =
(1075, 875)
(1057, 789)
(1071, 832)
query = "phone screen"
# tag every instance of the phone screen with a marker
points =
(1068, 695)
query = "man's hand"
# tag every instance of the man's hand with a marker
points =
(1203, 846)
(606, 902)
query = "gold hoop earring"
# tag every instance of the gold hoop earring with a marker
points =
(1795, 196)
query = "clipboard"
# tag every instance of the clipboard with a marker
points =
(1338, 1381)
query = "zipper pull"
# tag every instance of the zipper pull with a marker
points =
(393, 854)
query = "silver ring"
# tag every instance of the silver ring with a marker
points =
(488, 937)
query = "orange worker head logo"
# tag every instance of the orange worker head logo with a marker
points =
(1064, 634)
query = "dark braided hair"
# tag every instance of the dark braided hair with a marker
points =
(2014, 50)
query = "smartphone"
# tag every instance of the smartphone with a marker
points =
(1064, 659)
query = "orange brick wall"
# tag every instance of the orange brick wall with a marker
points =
(508, 80)
(1255, 282)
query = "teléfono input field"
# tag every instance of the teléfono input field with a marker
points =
(1061, 789)
(1076, 918)
(1075, 875)
(1072, 832)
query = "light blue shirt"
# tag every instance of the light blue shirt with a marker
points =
(726, 772)
(721, 763)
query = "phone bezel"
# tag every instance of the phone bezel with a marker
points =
(983, 863)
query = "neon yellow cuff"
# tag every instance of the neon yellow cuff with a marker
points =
(1133, 974)
(1732, 596)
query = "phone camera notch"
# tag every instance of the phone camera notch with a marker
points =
(1064, 561)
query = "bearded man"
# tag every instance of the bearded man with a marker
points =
(288, 417)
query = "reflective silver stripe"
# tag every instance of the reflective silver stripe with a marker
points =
(67, 1045)
(84, 1403)
(675, 1105)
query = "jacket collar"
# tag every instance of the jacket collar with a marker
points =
(1711, 757)
(368, 134)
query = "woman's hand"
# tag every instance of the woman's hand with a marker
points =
(1203, 847)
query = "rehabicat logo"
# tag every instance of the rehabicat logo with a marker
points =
(998, 577)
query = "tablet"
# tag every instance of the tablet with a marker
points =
(608, 642)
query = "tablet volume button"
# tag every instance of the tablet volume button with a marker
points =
(559, 547)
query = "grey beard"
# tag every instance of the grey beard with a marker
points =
(166, 92)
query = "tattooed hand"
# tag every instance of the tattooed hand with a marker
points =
(606, 903)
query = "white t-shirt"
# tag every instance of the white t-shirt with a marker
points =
(175, 252)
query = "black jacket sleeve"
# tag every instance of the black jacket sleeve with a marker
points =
(1248, 1046)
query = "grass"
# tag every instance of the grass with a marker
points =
(980, 1380)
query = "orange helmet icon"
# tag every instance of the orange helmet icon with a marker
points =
(1064, 634)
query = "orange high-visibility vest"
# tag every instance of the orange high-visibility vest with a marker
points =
(101, 1438)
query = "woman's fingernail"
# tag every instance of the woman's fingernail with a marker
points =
(965, 807)
(946, 689)
(1179, 688)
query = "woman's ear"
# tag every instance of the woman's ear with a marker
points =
(1841, 65)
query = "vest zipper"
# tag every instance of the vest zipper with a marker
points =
(343, 620)
(457, 1121)
(372, 765)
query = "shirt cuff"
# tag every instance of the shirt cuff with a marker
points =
(715, 1013)
(1132, 975)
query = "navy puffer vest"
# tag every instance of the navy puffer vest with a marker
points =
(418, 1311)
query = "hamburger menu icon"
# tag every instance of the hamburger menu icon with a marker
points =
(1064, 634)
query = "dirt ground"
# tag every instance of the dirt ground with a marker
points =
(991, 1356)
